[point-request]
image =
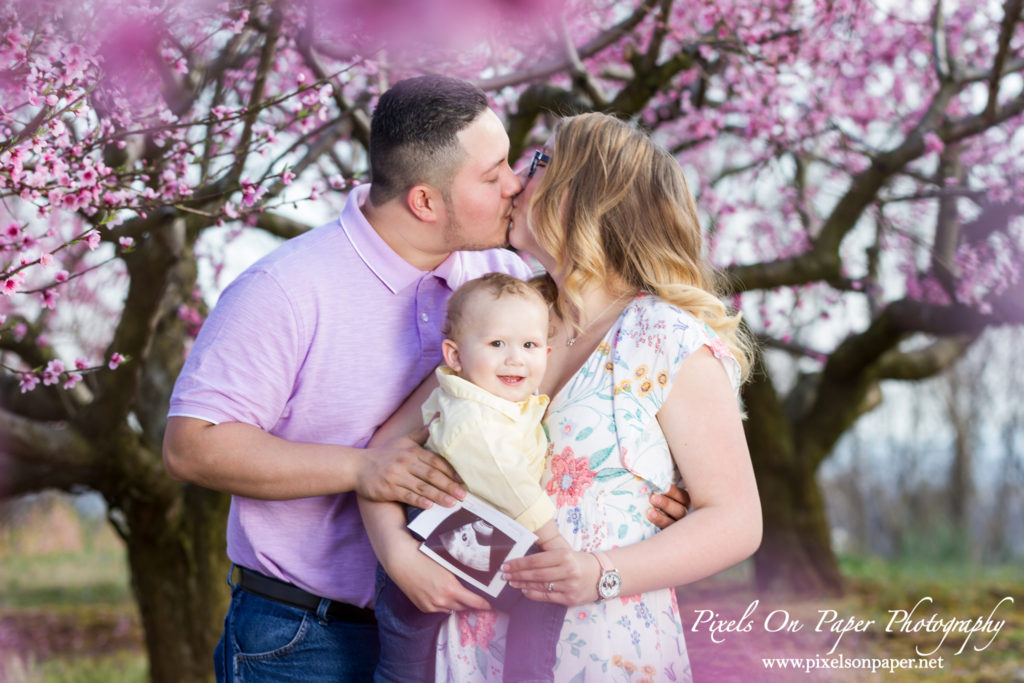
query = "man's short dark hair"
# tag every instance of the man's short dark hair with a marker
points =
(413, 134)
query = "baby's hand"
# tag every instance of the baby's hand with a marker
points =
(549, 538)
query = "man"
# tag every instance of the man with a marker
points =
(308, 352)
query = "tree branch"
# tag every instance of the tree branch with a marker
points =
(281, 226)
(266, 64)
(1011, 17)
(923, 363)
(39, 455)
(600, 42)
(149, 268)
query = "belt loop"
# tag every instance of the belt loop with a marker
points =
(321, 611)
(231, 570)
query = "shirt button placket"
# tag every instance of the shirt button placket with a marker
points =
(430, 294)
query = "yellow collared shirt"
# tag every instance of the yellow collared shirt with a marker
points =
(498, 447)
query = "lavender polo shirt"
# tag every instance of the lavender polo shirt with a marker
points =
(320, 341)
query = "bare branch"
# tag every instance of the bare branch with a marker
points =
(923, 363)
(1011, 17)
(37, 455)
(600, 42)
(947, 223)
(266, 65)
(281, 226)
(580, 77)
(940, 45)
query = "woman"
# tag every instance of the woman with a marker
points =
(643, 377)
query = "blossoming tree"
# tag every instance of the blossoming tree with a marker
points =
(857, 163)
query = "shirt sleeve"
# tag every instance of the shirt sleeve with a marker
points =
(244, 362)
(497, 462)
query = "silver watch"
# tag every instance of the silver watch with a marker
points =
(610, 583)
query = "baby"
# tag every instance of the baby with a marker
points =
(485, 419)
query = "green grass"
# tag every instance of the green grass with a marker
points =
(96, 576)
(67, 614)
(122, 667)
(66, 609)
(873, 587)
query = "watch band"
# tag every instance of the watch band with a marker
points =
(609, 584)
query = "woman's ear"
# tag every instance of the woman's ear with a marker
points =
(424, 202)
(450, 352)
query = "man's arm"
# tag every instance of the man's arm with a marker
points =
(242, 459)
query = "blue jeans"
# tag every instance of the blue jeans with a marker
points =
(264, 640)
(408, 637)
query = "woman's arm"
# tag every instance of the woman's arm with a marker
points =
(702, 425)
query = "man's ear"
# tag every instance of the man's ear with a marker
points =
(450, 352)
(425, 203)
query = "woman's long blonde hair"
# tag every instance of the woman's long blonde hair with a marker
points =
(612, 202)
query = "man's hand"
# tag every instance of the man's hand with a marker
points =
(669, 507)
(403, 471)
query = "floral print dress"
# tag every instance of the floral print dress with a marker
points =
(607, 455)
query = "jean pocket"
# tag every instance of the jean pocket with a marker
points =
(262, 629)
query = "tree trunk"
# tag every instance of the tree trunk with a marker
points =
(796, 550)
(178, 568)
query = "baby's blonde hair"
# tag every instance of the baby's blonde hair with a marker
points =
(495, 284)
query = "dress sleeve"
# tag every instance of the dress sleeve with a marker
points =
(653, 341)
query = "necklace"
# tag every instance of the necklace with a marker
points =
(570, 341)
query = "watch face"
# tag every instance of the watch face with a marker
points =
(609, 584)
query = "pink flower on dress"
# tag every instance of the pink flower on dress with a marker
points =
(570, 477)
(719, 348)
(476, 628)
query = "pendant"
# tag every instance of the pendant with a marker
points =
(570, 341)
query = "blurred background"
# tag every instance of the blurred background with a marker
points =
(857, 166)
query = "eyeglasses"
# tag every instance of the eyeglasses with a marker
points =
(540, 160)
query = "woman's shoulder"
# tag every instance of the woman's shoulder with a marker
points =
(667, 329)
(647, 314)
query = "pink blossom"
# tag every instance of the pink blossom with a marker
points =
(115, 360)
(73, 379)
(92, 240)
(81, 364)
(28, 382)
(54, 369)
(49, 298)
(933, 143)
(126, 242)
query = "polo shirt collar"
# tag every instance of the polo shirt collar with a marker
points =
(395, 272)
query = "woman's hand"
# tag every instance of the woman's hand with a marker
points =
(561, 576)
(669, 507)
